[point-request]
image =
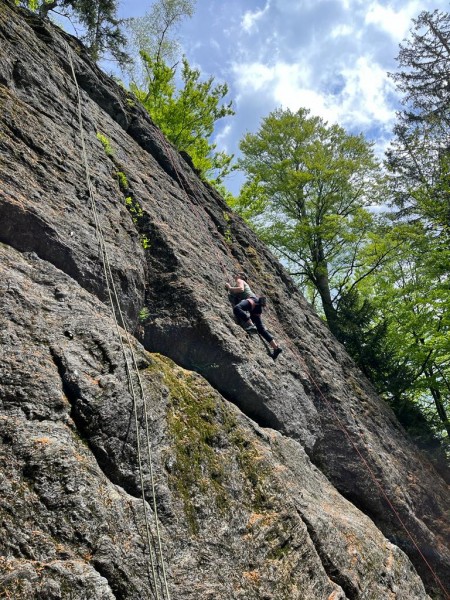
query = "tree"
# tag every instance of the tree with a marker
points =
(98, 18)
(364, 331)
(187, 114)
(420, 154)
(307, 194)
(411, 295)
(153, 35)
(418, 162)
(424, 62)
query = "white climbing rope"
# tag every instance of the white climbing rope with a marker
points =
(117, 311)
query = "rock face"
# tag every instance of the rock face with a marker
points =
(271, 480)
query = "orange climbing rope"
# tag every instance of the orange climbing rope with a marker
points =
(374, 478)
(328, 403)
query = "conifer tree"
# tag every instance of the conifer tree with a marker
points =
(97, 18)
(419, 165)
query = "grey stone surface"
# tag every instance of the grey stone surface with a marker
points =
(264, 470)
(243, 512)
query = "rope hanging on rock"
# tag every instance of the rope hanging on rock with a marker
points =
(130, 368)
(366, 465)
(340, 424)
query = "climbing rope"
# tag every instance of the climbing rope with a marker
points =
(117, 312)
(338, 420)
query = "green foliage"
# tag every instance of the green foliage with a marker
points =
(364, 333)
(123, 181)
(136, 212)
(31, 4)
(105, 143)
(145, 241)
(411, 295)
(188, 115)
(144, 314)
(227, 234)
(415, 288)
(185, 108)
(225, 193)
(383, 287)
(134, 208)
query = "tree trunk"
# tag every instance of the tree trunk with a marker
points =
(323, 286)
(46, 7)
(437, 397)
(327, 305)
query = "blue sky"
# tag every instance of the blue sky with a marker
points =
(330, 56)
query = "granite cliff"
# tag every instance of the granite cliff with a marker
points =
(272, 480)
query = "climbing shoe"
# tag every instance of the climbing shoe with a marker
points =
(250, 328)
(276, 353)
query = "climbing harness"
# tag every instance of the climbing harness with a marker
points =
(130, 368)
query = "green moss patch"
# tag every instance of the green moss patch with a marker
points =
(215, 463)
(198, 427)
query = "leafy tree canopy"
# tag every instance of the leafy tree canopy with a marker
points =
(307, 194)
(187, 115)
(185, 107)
(410, 294)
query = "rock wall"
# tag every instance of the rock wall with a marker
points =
(273, 480)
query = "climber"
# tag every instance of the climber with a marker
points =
(248, 309)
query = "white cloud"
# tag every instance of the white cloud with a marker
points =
(395, 22)
(330, 56)
(222, 137)
(252, 77)
(361, 100)
(366, 94)
(282, 84)
(250, 18)
(343, 30)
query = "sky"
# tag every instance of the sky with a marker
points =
(329, 56)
